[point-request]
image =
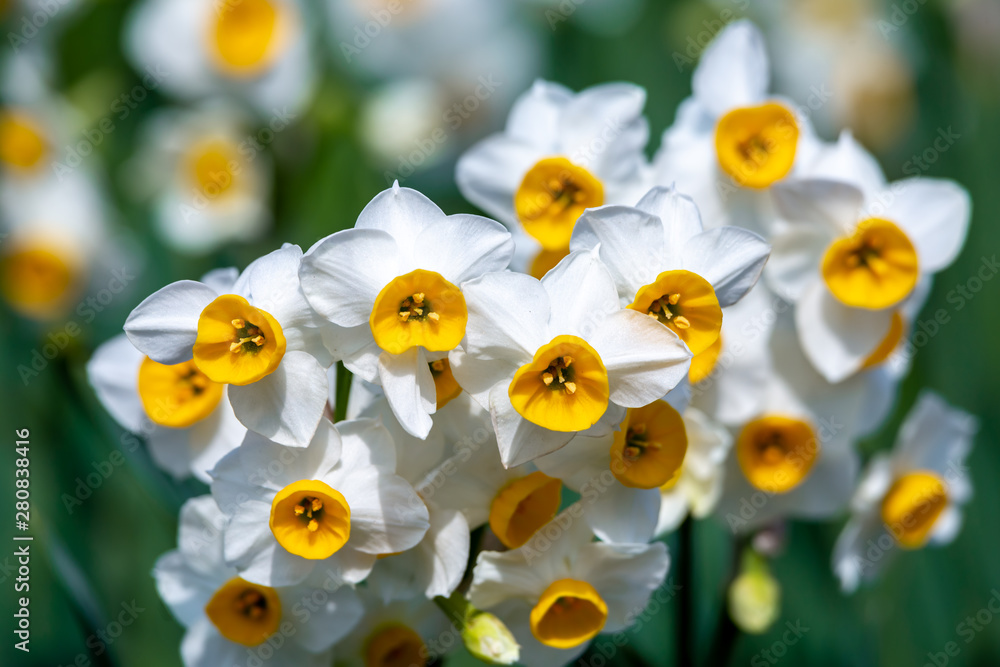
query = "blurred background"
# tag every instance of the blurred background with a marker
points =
(365, 101)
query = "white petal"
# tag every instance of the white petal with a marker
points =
(508, 316)
(387, 515)
(519, 440)
(644, 359)
(272, 282)
(833, 206)
(535, 116)
(847, 160)
(462, 247)
(401, 212)
(344, 273)
(673, 510)
(203, 646)
(185, 591)
(356, 347)
(366, 443)
(947, 526)
(934, 436)
(623, 515)
(580, 462)
(795, 260)
(863, 549)
(221, 280)
(837, 339)
(680, 219)
(322, 620)
(630, 244)
(498, 577)
(730, 258)
(261, 459)
(409, 386)
(624, 576)
(934, 213)
(603, 129)
(286, 405)
(164, 326)
(113, 372)
(449, 545)
(733, 71)
(581, 293)
(489, 174)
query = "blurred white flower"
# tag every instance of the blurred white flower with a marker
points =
(911, 496)
(258, 51)
(209, 182)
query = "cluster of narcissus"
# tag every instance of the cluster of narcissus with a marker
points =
(609, 358)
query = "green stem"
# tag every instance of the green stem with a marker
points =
(455, 607)
(343, 392)
(726, 633)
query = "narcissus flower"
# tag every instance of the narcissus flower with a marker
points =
(619, 475)
(230, 621)
(561, 153)
(795, 457)
(909, 497)
(207, 188)
(555, 600)
(334, 504)
(730, 141)
(398, 633)
(851, 259)
(514, 502)
(394, 285)
(555, 357)
(258, 335)
(258, 50)
(185, 417)
(666, 266)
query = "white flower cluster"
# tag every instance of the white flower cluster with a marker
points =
(580, 378)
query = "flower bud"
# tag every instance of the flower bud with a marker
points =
(487, 638)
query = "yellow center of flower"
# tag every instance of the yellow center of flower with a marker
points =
(311, 519)
(545, 261)
(213, 168)
(176, 395)
(649, 449)
(39, 280)
(552, 196)
(875, 268)
(703, 363)
(891, 341)
(912, 506)
(419, 308)
(247, 35)
(686, 303)
(756, 145)
(395, 646)
(245, 613)
(523, 506)
(568, 613)
(22, 144)
(776, 453)
(237, 343)
(563, 388)
(445, 385)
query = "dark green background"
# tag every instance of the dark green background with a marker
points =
(87, 563)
